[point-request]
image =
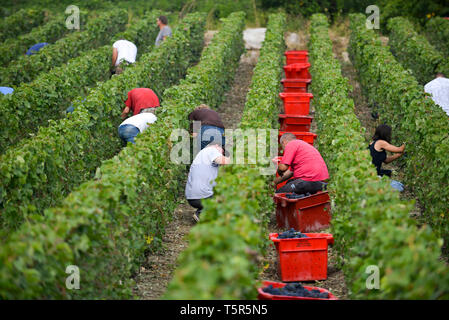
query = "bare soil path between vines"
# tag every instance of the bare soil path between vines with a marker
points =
(339, 34)
(156, 273)
(335, 281)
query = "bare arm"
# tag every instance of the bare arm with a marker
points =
(287, 175)
(114, 56)
(222, 160)
(125, 112)
(282, 168)
(393, 157)
(389, 147)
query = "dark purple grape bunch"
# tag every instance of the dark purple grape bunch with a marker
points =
(291, 234)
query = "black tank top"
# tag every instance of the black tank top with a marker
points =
(378, 157)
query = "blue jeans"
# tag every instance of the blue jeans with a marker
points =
(70, 109)
(209, 133)
(128, 132)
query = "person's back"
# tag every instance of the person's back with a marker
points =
(212, 128)
(305, 161)
(141, 121)
(208, 117)
(301, 167)
(134, 125)
(36, 48)
(140, 99)
(439, 90)
(126, 51)
(202, 174)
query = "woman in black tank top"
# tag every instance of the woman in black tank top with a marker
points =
(379, 147)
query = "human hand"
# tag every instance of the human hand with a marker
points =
(276, 160)
(277, 180)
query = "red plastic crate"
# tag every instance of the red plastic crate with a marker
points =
(308, 137)
(297, 71)
(296, 102)
(297, 123)
(266, 296)
(303, 259)
(308, 214)
(296, 85)
(297, 56)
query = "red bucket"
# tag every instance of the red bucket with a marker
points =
(266, 296)
(296, 85)
(308, 214)
(308, 137)
(295, 123)
(302, 259)
(297, 71)
(294, 56)
(296, 103)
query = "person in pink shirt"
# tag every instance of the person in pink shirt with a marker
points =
(302, 165)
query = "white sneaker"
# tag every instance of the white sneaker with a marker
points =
(195, 217)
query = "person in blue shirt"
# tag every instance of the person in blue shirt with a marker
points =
(6, 90)
(35, 49)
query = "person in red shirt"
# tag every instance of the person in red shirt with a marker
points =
(140, 100)
(302, 165)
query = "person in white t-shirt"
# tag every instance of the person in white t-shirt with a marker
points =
(134, 125)
(123, 51)
(202, 175)
(439, 90)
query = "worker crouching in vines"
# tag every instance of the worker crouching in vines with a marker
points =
(212, 127)
(142, 103)
(202, 175)
(301, 166)
(378, 149)
(124, 52)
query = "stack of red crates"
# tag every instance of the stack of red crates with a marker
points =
(311, 213)
(296, 98)
(303, 259)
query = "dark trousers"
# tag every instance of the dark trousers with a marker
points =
(383, 172)
(299, 186)
(196, 203)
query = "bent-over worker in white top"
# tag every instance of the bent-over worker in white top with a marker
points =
(134, 125)
(123, 51)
